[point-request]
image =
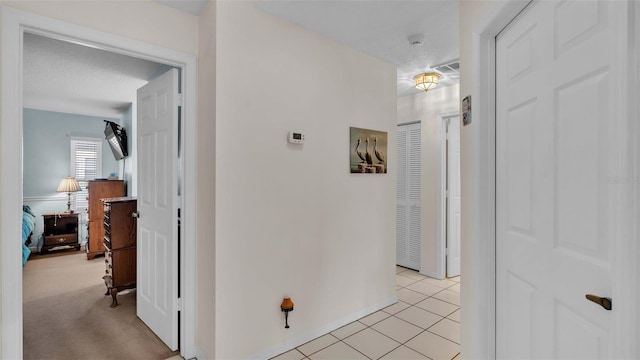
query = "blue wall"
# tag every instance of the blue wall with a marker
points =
(47, 154)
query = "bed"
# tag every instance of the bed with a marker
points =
(28, 224)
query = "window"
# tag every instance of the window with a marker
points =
(86, 164)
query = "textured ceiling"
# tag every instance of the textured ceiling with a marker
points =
(381, 28)
(65, 77)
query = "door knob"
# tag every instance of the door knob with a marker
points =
(135, 214)
(605, 302)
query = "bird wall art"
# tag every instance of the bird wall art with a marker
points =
(368, 151)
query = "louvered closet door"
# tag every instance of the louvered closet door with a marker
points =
(408, 196)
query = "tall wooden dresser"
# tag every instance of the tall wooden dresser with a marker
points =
(120, 244)
(99, 189)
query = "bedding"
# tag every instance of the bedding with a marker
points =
(28, 224)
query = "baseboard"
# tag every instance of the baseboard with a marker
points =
(431, 274)
(304, 338)
(197, 354)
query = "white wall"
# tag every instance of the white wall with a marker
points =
(143, 20)
(428, 107)
(474, 307)
(291, 220)
(205, 272)
(129, 172)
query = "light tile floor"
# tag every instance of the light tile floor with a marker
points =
(423, 324)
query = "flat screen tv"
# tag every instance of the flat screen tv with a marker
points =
(117, 138)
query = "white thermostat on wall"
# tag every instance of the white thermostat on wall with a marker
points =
(296, 137)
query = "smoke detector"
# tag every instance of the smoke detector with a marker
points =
(416, 39)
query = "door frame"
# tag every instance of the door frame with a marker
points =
(442, 213)
(14, 23)
(479, 260)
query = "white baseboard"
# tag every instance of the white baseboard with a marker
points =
(431, 274)
(304, 338)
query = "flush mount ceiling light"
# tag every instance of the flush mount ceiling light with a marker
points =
(426, 81)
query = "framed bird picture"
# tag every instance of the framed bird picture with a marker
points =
(367, 151)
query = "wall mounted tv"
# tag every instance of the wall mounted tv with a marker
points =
(117, 138)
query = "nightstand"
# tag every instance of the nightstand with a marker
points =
(60, 232)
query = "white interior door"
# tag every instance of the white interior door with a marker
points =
(453, 198)
(408, 207)
(557, 145)
(157, 255)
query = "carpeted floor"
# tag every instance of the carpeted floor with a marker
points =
(67, 315)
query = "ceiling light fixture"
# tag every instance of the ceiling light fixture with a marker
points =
(426, 81)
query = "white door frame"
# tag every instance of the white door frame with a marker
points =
(441, 214)
(478, 295)
(13, 25)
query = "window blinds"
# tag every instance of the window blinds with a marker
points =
(86, 164)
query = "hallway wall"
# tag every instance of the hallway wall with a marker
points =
(291, 219)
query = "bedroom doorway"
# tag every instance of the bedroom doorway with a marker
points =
(13, 28)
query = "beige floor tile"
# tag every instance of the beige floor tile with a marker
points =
(447, 329)
(412, 274)
(371, 343)
(374, 318)
(403, 280)
(439, 283)
(439, 307)
(410, 296)
(455, 287)
(455, 278)
(337, 351)
(404, 353)
(397, 329)
(433, 346)
(317, 344)
(397, 307)
(419, 317)
(457, 357)
(290, 355)
(348, 330)
(400, 269)
(448, 296)
(455, 316)
(424, 288)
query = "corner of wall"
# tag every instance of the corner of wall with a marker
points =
(206, 183)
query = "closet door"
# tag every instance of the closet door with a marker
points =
(408, 196)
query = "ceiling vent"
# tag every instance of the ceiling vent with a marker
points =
(451, 70)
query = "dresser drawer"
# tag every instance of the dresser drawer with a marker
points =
(64, 239)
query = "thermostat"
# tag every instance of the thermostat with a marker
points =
(296, 137)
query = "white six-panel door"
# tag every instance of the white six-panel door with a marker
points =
(157, 249)
(408, 207)
(557, 148)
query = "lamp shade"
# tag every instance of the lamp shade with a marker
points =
(287, 304)
(68, 185)
(426, 81)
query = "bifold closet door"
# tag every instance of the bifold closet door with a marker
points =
(408, 196)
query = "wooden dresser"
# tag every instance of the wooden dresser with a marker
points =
(60, 232)
(97, 190)
(120, 244)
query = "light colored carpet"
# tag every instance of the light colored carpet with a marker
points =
(67, 315)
